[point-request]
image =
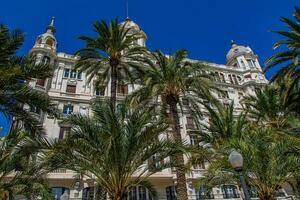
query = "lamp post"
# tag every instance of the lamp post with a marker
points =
(236, 161)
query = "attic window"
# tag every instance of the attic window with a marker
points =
(236, 50)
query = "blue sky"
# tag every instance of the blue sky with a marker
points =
(204, 27)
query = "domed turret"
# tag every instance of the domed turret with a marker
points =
(135, 29)
(241, 56)
(47, 40)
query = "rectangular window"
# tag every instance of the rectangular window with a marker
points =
(68, 109)
(71, 89)
(194, 139)
(230, 78)
(122, 89)
(73, 74)
(67, 73)
(190, 123)
(41, 82)
(63, 132)
(79, 75)
(250, 63)
(222, 77)
(155, 162)
(100, 92)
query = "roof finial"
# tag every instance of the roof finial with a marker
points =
(233, 43)
(51, 27)
(52, 21)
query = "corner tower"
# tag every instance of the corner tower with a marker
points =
(243, 57)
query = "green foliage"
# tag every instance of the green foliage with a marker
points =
(289, 58)
(20, 171)
(111, 55)
(115, 146)
(15, 72)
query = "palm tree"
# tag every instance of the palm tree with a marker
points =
(273, 106)
(110, 56)
(20, 172)
(15, 72)
(167, 81)
(224, 124)
(267, 166)
(289, 57)
(115, 147)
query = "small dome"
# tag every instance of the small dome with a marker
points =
(47, 39)
(237, 50)
(132, 25)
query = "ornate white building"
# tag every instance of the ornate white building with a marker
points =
(69, 89)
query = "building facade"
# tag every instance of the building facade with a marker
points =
(70, 90)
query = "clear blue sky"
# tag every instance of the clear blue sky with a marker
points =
(204, 27)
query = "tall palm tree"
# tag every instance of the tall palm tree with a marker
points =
(110, 56)
(115, 147)
(289, 57)
(267, 166)
(273, 106)
(20, 172)
(224, 124)
(167, 81)
(15, 72)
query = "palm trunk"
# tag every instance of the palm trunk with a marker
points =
(181, 187)
(113, 87)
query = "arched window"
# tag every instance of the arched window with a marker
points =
(39, 41)
(50, 42)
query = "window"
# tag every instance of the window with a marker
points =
(222, 77)
(243, 64)
(171, 193)
(250, 63)
(194, 139)
(88, 193)
(59, 191)
(41, 82)
(138, 193)
(155, 162)
(230, 78)
(63, 132)
(190, 123)
(229, 191)
(39, 41)
(223, 94)
(79, 75)
(73, 74)
(122, 89)
(66, 73)
(46, 60)
(100, 92)
(50, 42)
(234, 79)
(68, 109)
(71, 89)
(204, 193)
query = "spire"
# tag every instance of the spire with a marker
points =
(51, 27)
(127, 11)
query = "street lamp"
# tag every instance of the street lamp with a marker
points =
(236, 160)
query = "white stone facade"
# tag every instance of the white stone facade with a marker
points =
(71, 92)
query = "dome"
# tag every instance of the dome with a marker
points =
(237, 50)
(47, 39)
(133, 26)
